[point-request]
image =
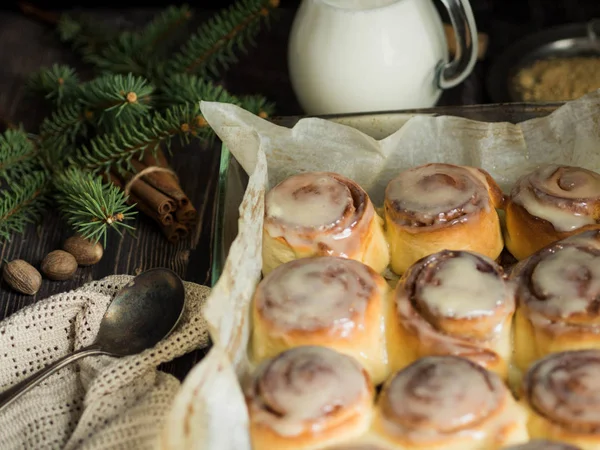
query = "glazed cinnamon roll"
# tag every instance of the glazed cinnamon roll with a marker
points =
(448, 402)
(557, 294)
(324, 300)
(543, 444)
(454, 303)
(441, 206)
(322, 213)
(308, 397)
(562, 394)
(551, 204)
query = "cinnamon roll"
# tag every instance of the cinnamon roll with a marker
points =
(318, 214)
(308, 397)
(441, 206)
(550, 204)
(448, 402)
(542, 444)
(454, 303)
(558, 291)
(562, 395)
(324, 300)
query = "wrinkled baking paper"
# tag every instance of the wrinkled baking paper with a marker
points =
(570, 135)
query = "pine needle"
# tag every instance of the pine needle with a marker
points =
(22, 203)
(123, 97)
(185, 89)
(54, 83)
(91, 206)
(117, 149)
(18, 154)
(215, 43)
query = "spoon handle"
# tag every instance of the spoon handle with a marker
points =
(14, 392)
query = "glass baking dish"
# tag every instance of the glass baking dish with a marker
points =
(233, 180)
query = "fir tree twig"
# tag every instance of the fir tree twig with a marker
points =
(23, 203)
(185, 89)
(213, 46)
(123, 97)
(17, 154)
(54, 83)
(117, 149)
(91, 206)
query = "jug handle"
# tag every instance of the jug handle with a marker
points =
(453, 73)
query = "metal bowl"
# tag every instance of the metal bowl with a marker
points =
(581, 39)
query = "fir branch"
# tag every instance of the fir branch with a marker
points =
(54, 83)
(23, 203)
(157, 34)
(91, 206)
(121, 55)
(17, 154)
(86, 36)
(213, 45)
(117, 149)
(257, 104)
(59, 132)
(185, 89)
(123, 97)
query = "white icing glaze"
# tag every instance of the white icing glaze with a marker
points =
(316, 210)
(561, 219)
(318, 207)
(549, 193)
(568, 279)
(443, 395)
(566, 387)
(312, 293)
(459, 290)
(434, 189)
(289, 385)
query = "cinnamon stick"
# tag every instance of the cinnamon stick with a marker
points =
(186, 214)
(152, 197)
(176, 232)
(163, 181)
(165, 222)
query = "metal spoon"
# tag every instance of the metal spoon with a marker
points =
(144, 312)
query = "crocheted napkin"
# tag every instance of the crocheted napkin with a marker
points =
(98, 402)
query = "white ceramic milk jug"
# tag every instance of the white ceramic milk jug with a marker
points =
(377, 55)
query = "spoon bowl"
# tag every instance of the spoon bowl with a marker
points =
(144, 312)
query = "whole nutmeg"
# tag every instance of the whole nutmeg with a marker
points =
(59, 265)
(85, 251)
(22, 277)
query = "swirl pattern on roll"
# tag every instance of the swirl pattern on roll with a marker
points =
(310, 294)
(567, 197)
(321, 210)
(460, 303)
(440, 395)
(560, 284)
(438, 194)
(448, 402)
(564, 388)
(282, 395)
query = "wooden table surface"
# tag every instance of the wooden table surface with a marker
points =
(27, 45)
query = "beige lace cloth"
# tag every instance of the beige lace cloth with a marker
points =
(98, 402)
